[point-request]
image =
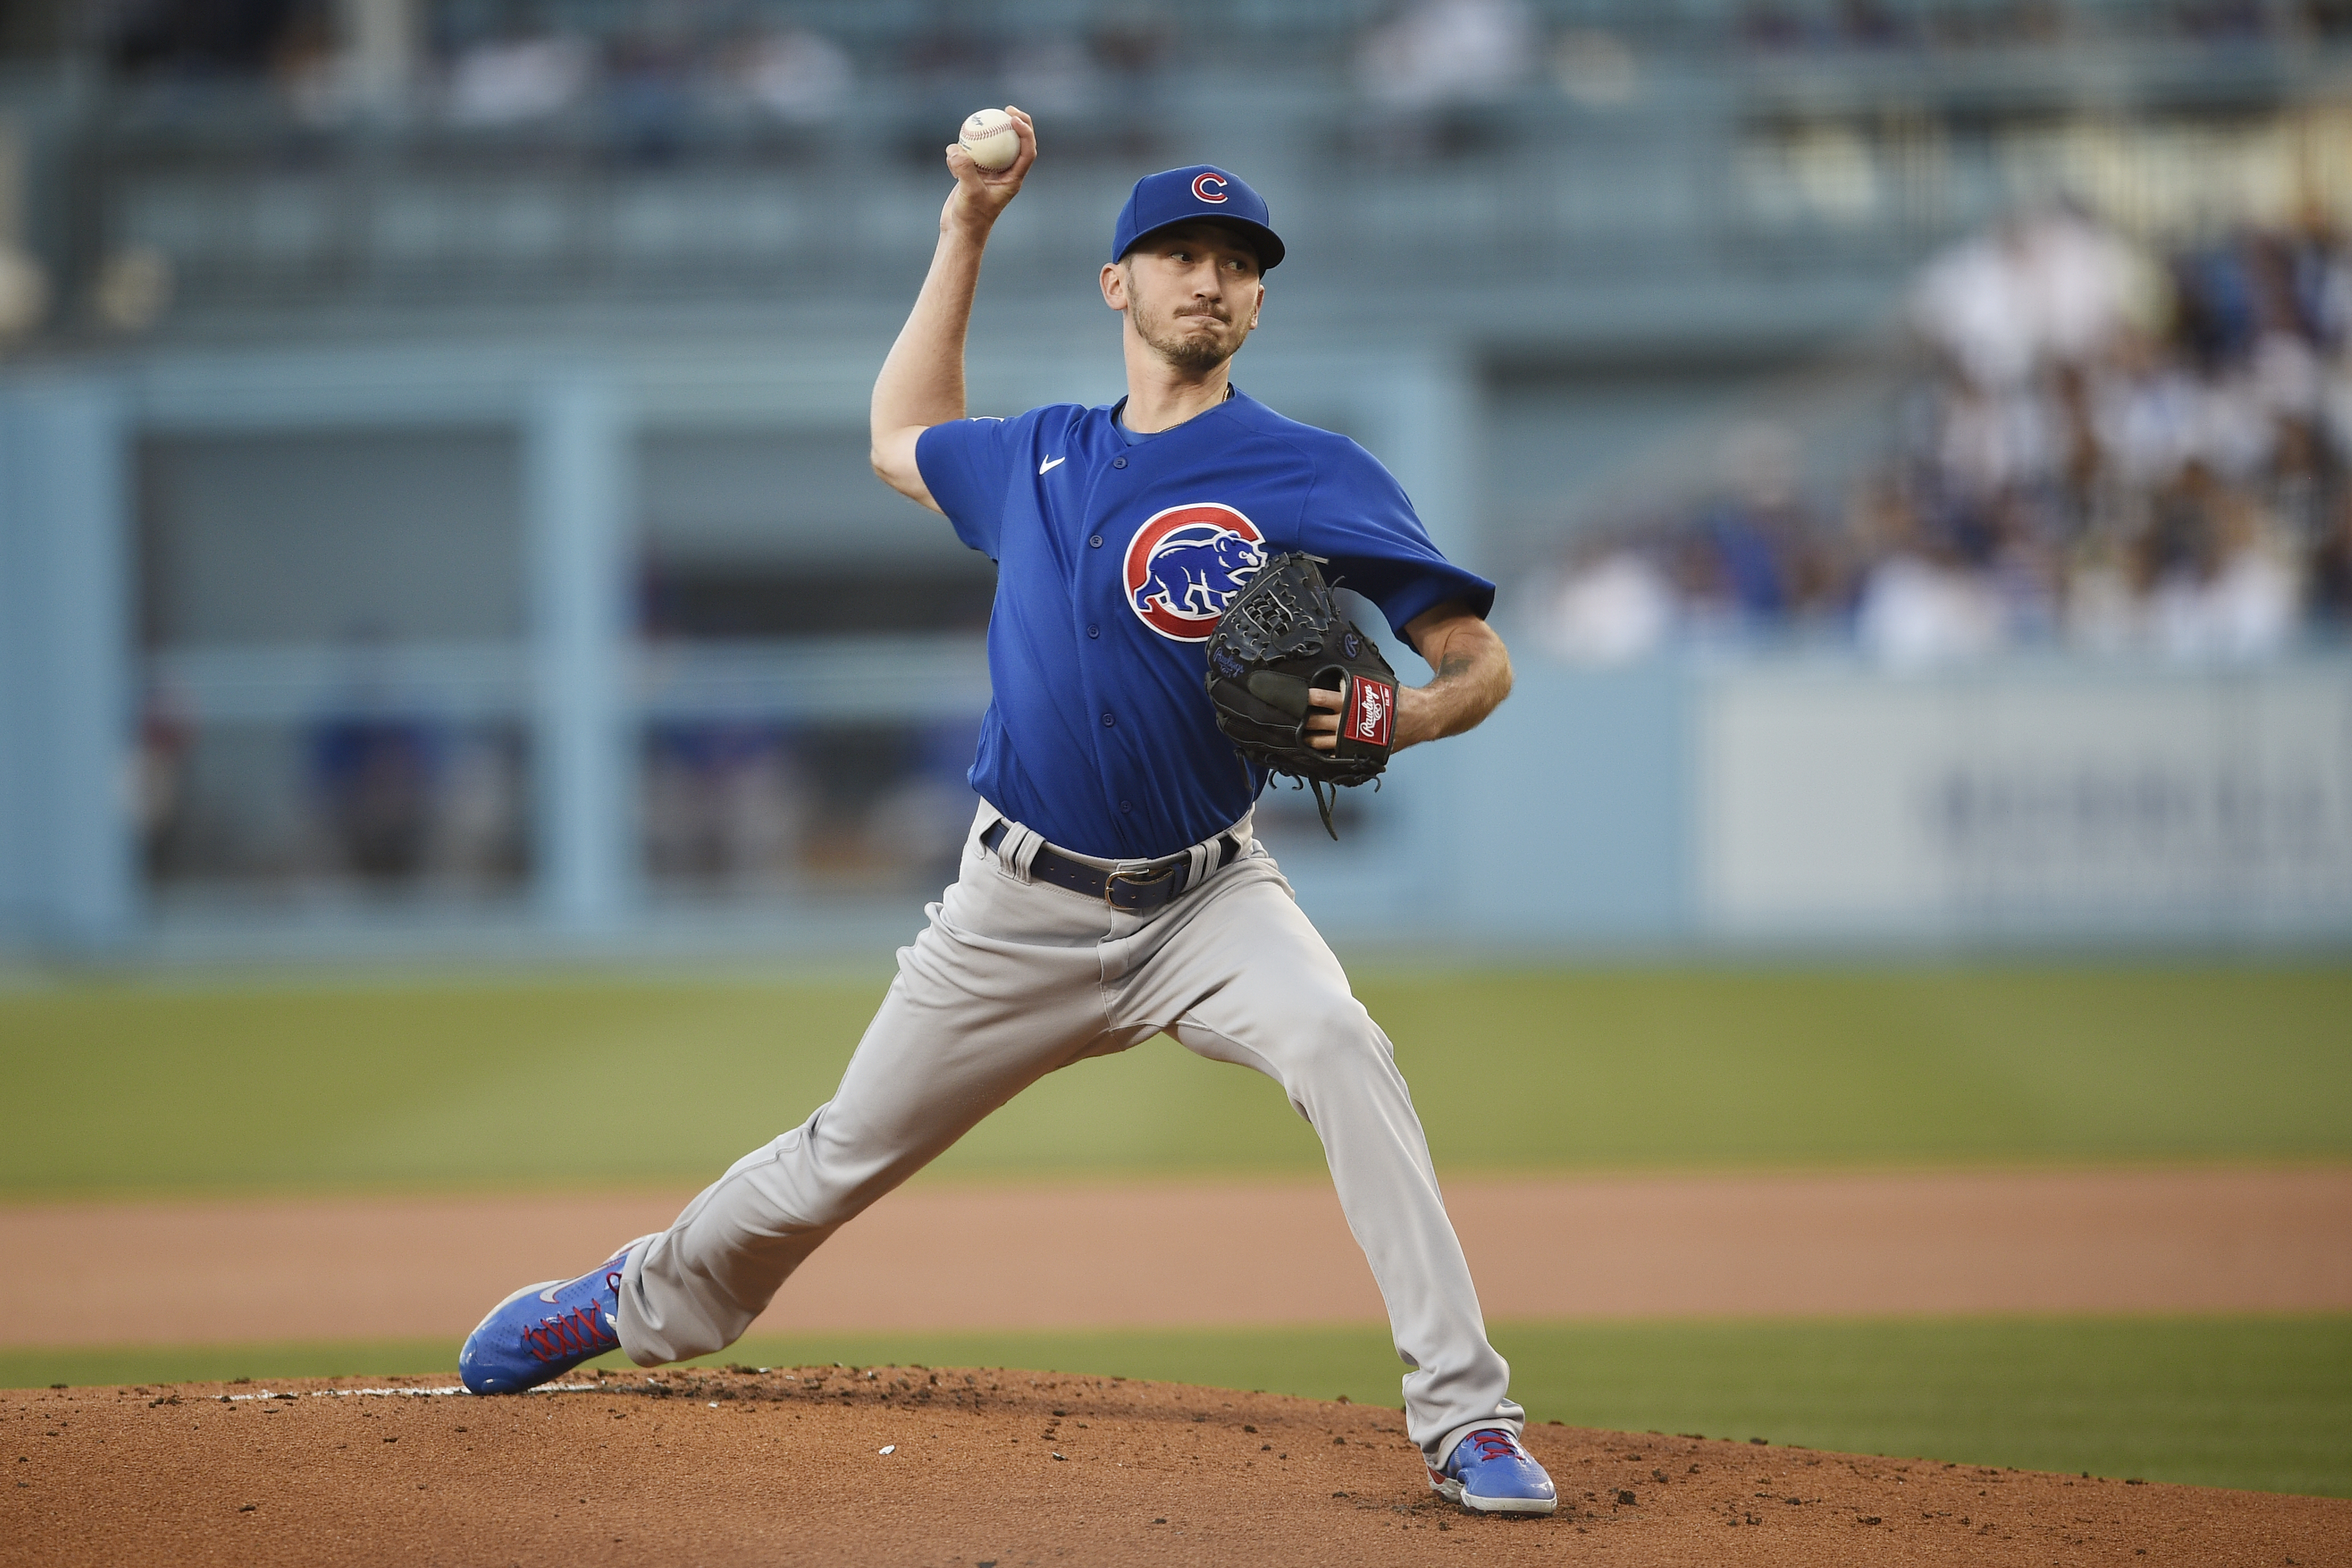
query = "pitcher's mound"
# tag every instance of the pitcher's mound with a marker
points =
(914, 1464)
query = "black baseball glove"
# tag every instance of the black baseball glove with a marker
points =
(1281, 637)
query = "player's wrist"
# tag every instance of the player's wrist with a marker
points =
(960, 223)
(972, 208)
(1417, 717)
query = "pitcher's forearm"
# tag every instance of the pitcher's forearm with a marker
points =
(921, 383)
(1473, 676)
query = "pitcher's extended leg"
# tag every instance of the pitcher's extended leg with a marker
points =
(1250, 980)
(969, 1021)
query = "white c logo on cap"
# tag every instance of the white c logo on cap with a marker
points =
(1201, 183)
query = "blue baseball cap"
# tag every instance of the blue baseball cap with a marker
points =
(1199, 191)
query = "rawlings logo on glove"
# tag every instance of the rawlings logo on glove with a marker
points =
(1370, 711)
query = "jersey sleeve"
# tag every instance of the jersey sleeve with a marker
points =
(967, 466)
(1358, 519)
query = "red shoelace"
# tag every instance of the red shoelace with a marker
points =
(1496, 1443)
(579, 1332)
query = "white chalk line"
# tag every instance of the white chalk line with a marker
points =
(441, 1393)
(438, 1393)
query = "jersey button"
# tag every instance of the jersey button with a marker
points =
(1109, 722)
(1095, 542)
(1094, 631)
(1118, 462)
(1127, 805)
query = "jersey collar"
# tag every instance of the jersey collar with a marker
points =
(1234, 394)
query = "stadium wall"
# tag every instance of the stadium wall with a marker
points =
(1814, 800)
(1747, 798)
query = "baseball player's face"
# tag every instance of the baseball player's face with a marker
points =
(1190, 292)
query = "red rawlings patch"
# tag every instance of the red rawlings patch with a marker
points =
(1372, 704)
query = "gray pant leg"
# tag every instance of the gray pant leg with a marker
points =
(971, 1020)
(1011, 981)
(1248, 980)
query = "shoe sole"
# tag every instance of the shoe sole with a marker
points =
(1452, 1491)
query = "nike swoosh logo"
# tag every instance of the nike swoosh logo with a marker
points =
(1051, 464)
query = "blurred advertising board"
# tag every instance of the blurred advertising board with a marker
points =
(2025, 798)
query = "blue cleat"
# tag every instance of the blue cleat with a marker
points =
(1489, 1471)
(544, 1330)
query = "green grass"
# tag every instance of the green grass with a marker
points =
(622, 1081)
(2262, 1403)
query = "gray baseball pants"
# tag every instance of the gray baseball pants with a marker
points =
(1013, 978)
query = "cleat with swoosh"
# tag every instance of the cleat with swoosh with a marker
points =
(522, 1344)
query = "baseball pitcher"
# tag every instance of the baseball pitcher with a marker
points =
(1110, 889)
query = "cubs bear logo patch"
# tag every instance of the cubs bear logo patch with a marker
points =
(1185, 564)
(1371, 706)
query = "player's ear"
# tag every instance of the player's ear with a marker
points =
(1114, 285)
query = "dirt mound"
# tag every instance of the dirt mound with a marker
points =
(914, 1464)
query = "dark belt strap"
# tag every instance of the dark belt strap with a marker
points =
(1131, 892)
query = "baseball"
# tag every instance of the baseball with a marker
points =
(990, 139)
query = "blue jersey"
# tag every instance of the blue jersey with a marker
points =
(1116, 554)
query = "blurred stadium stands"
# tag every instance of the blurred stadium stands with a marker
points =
(1912, 437)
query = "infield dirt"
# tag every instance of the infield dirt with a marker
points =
(920, 1466)
(1193, 1254)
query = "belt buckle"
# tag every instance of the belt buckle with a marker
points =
(1141, 879)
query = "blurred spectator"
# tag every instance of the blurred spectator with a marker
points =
(1437, 53)
(2331, 574)
(132, 288)
(1916, 611)
(1596, 69)
(1617, 610)
(726, 804)
(2130, 455)
(506, 81)
(375, 777)
(2222, 584)
(2146, 415)
(757, 806)
(648, 95)
(2052, 290)
(23, 291)
(477, 826)
(798, 76)
(919, 822)
(167, 733)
